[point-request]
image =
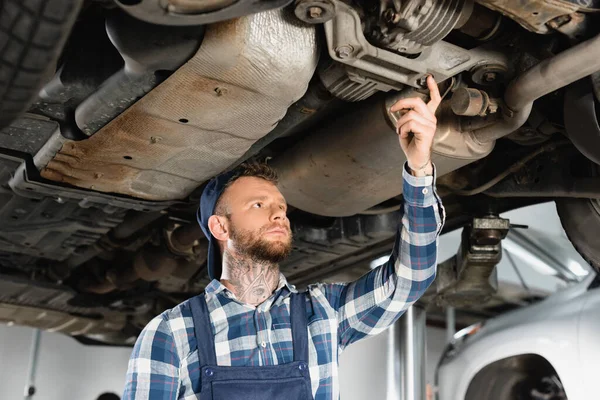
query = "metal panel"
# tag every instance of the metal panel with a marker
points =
(534, 14)
(205, 116)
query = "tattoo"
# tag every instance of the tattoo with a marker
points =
(252, 282)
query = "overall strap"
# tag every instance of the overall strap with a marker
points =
(203, 331)
(299, 326)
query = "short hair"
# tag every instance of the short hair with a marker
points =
(249, 169)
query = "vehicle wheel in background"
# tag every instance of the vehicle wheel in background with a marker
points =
(32, 35)
(497, 384)
(580, 219)
(523, 377)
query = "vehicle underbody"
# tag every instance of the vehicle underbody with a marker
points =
(101, 167)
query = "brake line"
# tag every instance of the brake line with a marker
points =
(512, 169)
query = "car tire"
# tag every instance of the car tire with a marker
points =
(32, 35)
(502, 384)
(580, 219)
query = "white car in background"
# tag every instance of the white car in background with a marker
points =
(547, 351)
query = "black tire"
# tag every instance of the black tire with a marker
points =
(32, 35)
(497, 384)
(515, 378)
(580, 219)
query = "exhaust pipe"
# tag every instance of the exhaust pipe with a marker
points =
(546, 77)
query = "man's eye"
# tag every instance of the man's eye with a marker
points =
(257, 205)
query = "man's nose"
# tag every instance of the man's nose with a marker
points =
(278, 214)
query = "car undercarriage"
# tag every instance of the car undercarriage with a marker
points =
(114, 115)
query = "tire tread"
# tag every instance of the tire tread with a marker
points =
(32, 34)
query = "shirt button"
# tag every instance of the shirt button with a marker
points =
(425, 191)
(263, 344)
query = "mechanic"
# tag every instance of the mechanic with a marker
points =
(251, 334)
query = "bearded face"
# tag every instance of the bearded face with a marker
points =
(271, 243)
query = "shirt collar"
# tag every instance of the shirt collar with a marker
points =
(215, 286)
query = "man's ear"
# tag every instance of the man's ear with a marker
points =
(218, 226)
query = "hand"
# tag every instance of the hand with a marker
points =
(416, 128)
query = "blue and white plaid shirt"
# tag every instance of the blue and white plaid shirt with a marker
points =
(164, 363)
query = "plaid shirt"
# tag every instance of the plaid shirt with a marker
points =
(164, 362)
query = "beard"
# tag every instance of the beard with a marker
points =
(253, 244)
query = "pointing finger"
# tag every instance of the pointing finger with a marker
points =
(434, 94)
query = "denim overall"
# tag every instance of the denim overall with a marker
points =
(277, 382)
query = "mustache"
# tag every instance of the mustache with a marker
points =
(267, 228)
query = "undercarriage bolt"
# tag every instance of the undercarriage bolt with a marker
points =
(315, 12)
(489, 76)
(390, 16)
(344, 51)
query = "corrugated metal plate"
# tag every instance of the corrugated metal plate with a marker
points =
(203, 118)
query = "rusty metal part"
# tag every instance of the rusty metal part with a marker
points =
(202, 118)
(470, 277)
(532, 14)
(354, 163)
(472, 102)
(150, 264)
(573, 26)
(547, 76)
(187, 240)
(188, 235)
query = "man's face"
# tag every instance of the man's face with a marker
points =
(258, 226)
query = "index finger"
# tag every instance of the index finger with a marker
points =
(414, 103)
(434, 94)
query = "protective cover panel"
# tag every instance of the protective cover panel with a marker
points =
(203, 118)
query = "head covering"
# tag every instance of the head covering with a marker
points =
(208, 201)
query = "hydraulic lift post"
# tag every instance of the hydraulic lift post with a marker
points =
(406, 361)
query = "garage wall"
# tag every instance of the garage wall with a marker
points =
(66, 369)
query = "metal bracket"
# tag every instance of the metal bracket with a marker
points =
(347, 44)
(470, 276)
